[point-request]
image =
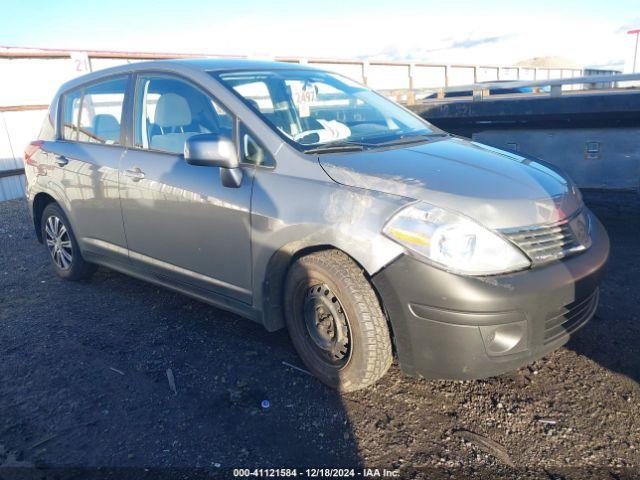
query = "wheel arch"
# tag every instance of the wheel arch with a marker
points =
(40, 202)
(276, 274)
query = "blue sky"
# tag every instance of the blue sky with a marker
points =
(498, 31)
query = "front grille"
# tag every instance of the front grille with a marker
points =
(544, 243)
(570, 317)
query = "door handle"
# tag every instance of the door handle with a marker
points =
(135, 174)
(61, 160)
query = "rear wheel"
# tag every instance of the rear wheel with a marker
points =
(335, 321)
(62, 245)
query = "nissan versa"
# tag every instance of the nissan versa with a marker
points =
(296, 197)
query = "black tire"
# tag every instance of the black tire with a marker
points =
(65, 257)
(329, 288)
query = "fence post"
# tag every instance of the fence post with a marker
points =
(365, 72)
(411, 97)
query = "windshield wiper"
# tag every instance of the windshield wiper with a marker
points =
(337, 147)
(423, 137)
(353, 146)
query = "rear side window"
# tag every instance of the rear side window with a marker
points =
(93, 114)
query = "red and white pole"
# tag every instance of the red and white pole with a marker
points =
(635, 52)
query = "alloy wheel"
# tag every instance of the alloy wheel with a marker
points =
(59, 242)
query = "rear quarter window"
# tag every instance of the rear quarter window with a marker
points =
(71, 114)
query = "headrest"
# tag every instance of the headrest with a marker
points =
(172, 111)
(106, 126)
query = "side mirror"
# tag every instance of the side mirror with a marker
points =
(212, 150)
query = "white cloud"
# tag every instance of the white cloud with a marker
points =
(442, 38)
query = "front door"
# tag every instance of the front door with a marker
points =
(182, 225)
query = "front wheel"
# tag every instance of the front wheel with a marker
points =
(335, 321)
(62, 245)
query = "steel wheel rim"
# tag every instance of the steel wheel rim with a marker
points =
(327, 325)
(58, 242)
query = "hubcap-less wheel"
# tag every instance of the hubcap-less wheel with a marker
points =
(327, 324)
(335, 320)
(58, 242)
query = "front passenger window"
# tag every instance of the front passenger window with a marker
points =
(169, 111)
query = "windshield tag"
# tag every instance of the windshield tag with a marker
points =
(303, 98)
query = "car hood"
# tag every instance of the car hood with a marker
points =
(497, 188)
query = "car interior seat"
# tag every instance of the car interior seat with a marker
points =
(106, 127)
(172, 115)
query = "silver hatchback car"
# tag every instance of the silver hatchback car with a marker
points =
(297, 197)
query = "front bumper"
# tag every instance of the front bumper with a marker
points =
(461, 327)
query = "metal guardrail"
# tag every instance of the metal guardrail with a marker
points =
(480, 91)
(555, 83)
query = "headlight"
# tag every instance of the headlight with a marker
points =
(454, 242)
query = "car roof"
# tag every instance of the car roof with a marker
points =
(185, 65)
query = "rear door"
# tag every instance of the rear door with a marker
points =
(182, 225)
(85, 161)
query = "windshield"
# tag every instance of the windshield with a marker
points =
(314, 108)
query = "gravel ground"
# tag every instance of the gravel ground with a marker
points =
(84, 383)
